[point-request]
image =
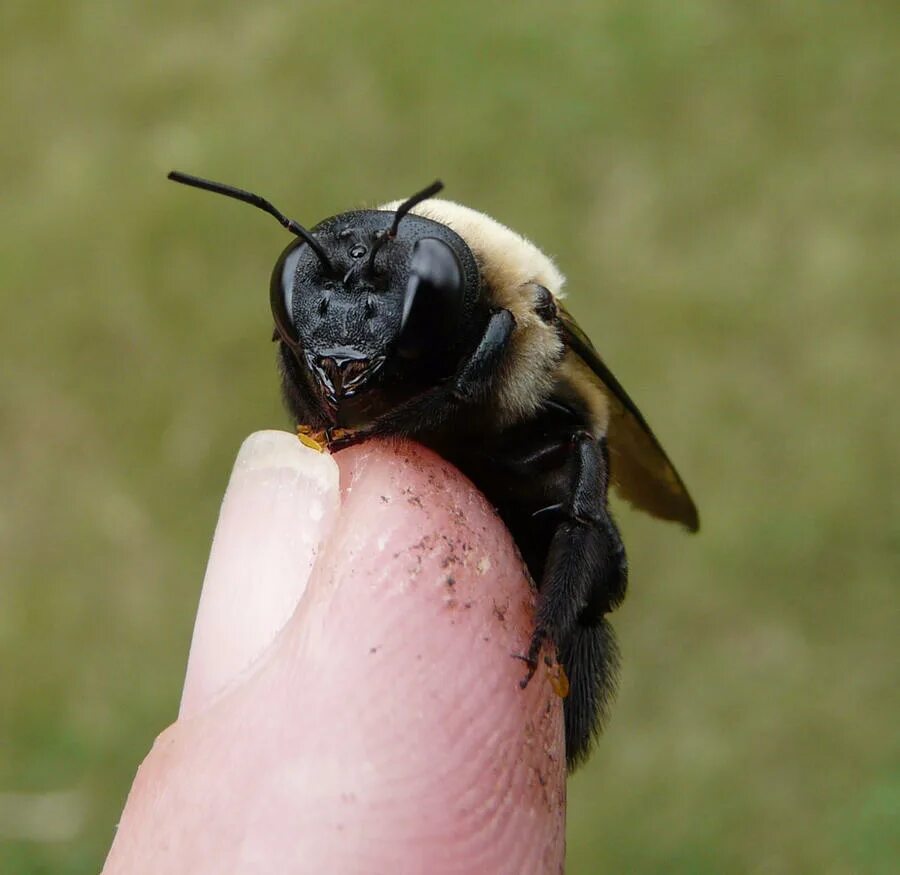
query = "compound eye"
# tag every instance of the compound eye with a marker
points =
(434, 299)
(281, 291)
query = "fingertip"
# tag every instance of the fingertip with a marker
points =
(384, 729)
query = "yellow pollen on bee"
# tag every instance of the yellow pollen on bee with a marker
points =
(559, 681)
(315, 440)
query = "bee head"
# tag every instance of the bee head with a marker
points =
(371, 304)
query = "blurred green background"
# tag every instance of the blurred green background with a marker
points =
(718, 181)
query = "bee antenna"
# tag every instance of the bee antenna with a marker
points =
(400, 212)
(261, 203)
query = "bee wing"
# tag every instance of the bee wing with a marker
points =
(639, 467)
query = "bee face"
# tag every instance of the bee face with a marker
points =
(382, 314)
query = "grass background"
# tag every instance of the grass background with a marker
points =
(719, 182)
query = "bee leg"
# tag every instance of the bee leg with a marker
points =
(584, 578)
(590, 658)
(470, 383)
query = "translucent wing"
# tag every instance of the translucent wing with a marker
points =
(639, 467)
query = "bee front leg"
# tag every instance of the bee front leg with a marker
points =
(470, 383)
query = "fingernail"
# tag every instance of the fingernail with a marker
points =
(279, 507)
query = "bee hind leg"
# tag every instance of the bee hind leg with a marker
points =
(590, 657)
(584, 578)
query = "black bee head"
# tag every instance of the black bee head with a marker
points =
(382, 316)
(371, 305)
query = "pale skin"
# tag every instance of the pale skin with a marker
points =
(352, 699)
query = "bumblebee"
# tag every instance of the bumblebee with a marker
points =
(430, 320)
